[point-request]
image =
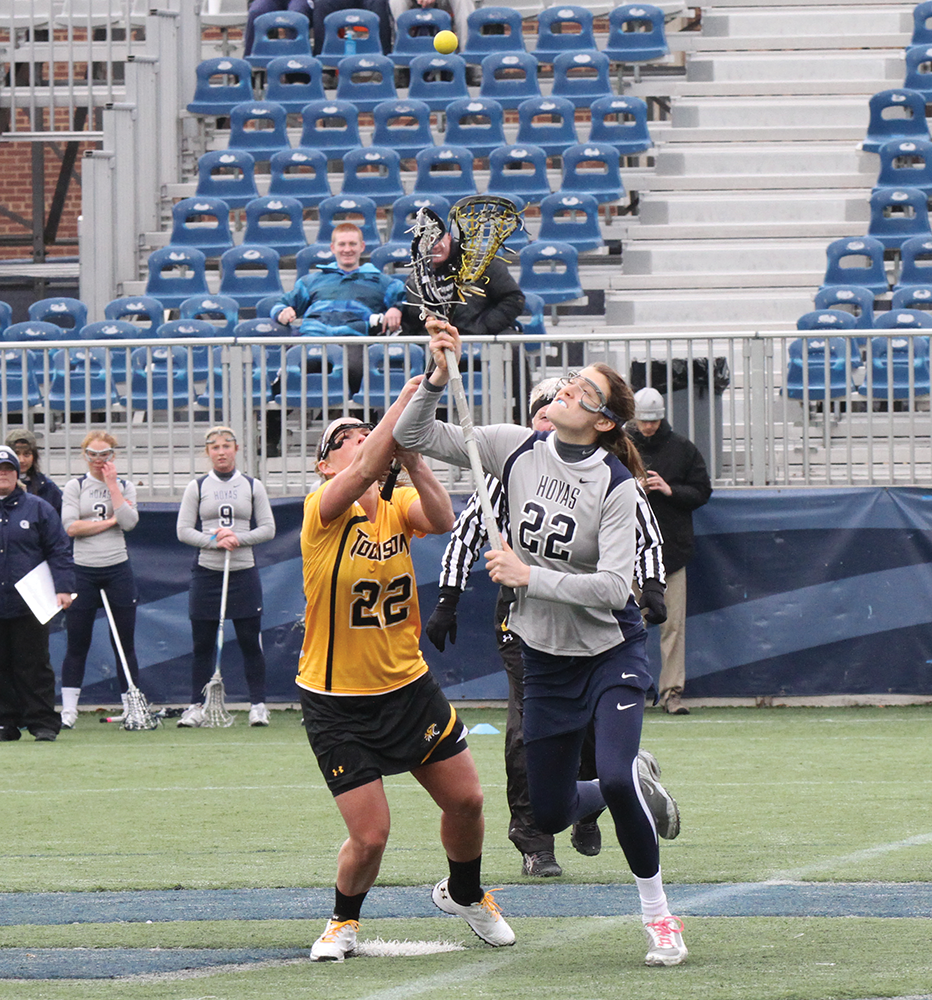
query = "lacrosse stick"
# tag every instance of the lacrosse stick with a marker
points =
(216, 715)
(483, 224)
(137, 715)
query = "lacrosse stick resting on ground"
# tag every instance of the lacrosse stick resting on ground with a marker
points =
(137, 715)
(216, 715)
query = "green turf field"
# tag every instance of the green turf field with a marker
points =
(811, 795)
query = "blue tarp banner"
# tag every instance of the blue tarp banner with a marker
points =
(791, 592)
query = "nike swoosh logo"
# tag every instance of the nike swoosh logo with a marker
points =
(621, 707)
(624, 677)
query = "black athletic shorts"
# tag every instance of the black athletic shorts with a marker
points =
(358, 739)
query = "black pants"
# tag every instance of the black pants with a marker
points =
(204, 634)
(27, 681)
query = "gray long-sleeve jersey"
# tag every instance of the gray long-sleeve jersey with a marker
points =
(88, 499)
(573, 524)
(211, 503)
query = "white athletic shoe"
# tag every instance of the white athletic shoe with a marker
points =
(484, 917)
(192, 717)
(259, 715)
(337, 941)
(661, 803)
(69, 716)
(666, 942)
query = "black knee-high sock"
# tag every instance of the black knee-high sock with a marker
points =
(465, 882)
(347, 907)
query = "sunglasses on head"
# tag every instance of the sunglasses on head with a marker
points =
(338, 436)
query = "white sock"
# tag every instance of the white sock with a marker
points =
(69, 699)
(653, 898)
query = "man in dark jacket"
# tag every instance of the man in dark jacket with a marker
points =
(30, 533)
(677, 483)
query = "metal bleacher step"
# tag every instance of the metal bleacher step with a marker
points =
(707, 309)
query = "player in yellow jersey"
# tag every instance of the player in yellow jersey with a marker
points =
(371, 706)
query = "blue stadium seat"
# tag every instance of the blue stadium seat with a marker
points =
(895, 114)
(276, 222)
(264, 306)
(445, 170)
(819, 368)
(373, 172)
(550, 270)
(70, 314)
(389, 366)
(190, 229)
(220, 85)
(349, 32)
(316, 389)
(857, 261)
(476, 123)
(548, 122)
(261, 326)
(342, 208)
(175, 274)
(142, 311)
(332, 127)
(414, 33)
(509, 78)
(922, 24)
(520, 173)
(581, 77)
(392, 252)
(228, 174)
(248, 273)
(6, 316)
(897, 367)
(264, 367)
(592, 168)
(848, 298)
(826, 320)
(158, 375)
(37, 332)
(309, 258)
(293, 81)
(919, 70)
(906, 163)
(79, 381)
(220, 311)
(912, 297)
(403, 126)
(492, 30)
(621, 122)
(903, 319)
(571, 218)
(114, 329)
(264, 140)
(189, 328)
(279, 33)
(300, 173)
(437, 80)
(636, 34)
(531, 317)
(898, 214)
(915, 262)
(21, 389)
(366, 80)
(552, 39)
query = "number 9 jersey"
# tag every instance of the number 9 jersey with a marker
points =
(362, 623)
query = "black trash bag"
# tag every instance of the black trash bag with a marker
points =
(679, 375)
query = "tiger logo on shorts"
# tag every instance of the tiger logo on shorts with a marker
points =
(433, 731)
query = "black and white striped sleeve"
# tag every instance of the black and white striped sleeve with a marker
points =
(648, 560)
(469, 536)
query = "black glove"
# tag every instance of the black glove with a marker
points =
(442, 622)
(652, 604)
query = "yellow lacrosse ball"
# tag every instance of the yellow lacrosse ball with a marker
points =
(445, 42)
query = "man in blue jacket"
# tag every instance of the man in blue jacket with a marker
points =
(30, 533)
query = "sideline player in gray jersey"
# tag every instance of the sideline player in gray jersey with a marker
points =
(97, 509)
(225, 511)
(572, 502)
(467, 539)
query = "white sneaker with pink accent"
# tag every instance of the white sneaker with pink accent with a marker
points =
(666, 942)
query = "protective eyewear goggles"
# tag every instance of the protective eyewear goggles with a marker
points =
(106, 454)
(338, 436)
(591, 397)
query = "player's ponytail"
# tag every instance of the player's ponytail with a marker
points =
(616, 440)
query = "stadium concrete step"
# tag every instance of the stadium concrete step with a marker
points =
(781, 21)
(754, 113)
(765, 158)
(818, 65)
(768, 309)
(676, 260)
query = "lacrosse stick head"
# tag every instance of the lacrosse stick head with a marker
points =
(436, 286)
(137, 716)
(216, 715)
(480, 224)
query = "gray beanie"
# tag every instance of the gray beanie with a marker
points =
(648, 404)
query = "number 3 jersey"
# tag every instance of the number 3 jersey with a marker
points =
(88, 499)
(362, 623)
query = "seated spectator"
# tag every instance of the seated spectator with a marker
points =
(257, 7)
(324, 7)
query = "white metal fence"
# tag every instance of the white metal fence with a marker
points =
(760, 417)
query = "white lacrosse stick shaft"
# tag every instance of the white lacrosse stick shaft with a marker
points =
(116, 639)
(223, 608)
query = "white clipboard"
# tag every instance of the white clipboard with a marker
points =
(37, 589)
